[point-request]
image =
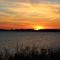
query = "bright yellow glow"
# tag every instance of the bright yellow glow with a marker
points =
(38, 27)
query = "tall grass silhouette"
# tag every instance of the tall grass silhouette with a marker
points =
(30, 53)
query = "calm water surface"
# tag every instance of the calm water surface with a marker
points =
(40, 39)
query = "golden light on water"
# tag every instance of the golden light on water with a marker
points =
(38, 27)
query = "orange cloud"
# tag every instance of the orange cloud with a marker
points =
(16, 15)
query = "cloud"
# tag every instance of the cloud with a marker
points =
(19, 12)
(28, 10)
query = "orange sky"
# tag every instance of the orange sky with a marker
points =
(23, 15)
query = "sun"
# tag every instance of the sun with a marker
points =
(38, 27)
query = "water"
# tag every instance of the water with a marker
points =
(39, 39)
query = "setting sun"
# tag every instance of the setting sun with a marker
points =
(38, 27)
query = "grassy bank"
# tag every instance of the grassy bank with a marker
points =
(28, 53)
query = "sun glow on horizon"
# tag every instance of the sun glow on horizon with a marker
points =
(20, 14)
(38, 27)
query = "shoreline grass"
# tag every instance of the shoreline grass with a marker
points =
(28, 53)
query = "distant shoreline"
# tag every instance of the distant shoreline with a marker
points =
(31, 30)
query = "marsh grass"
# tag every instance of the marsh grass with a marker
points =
(29, 53)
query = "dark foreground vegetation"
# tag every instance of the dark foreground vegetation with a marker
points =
(28, 53)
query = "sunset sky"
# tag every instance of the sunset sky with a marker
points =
(29, 14)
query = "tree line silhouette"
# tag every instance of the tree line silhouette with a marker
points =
(32, 30)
